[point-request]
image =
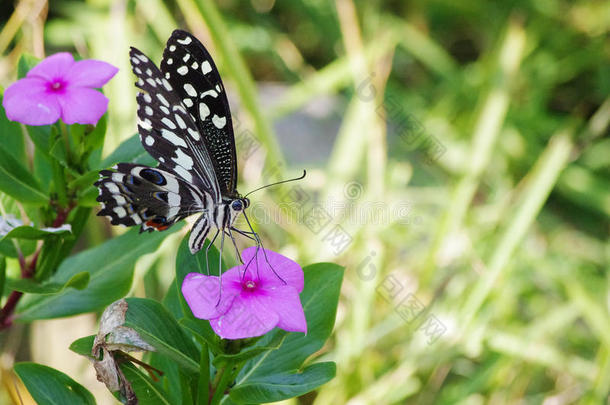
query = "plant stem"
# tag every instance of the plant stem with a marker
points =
(203, 389)
(27, 271)
(221, 381)
(13, 299)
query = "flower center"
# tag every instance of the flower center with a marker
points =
(56, 85)
(250, 285)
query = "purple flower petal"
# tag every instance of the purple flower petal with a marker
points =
(286, 302)
(90, 73)
(28, 101)
(287, 269)
(82, 105)
(201, 294)
(246, 318)
(53, 67)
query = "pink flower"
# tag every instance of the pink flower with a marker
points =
(251, 302)
(59, 87)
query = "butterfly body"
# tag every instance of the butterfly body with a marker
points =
(185, 124)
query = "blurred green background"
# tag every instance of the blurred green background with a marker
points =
(458, 165)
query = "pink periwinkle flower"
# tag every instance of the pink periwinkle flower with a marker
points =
(253, 300)
(59, 87)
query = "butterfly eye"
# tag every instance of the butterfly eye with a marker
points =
(237, 205)
(246, 202)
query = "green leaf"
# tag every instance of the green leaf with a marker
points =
(250, 352)
(83, 345)
(2, 274)
(110, 266)
(78, 281)
(171, 380)
(29, 232)
(319, 298)
(12, 136)
(146, 391)
(25, 64)
(203, 332)
(17, 181)
(129, 151)
(281, 386)
(41, 137)
(7, 248)
(159, 329)
(50, 386)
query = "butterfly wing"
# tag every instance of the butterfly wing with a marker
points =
(190, 70)
(167, 130)
(151, 197)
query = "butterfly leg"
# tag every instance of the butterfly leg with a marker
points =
(243, 233)
(234, 245)
(259, 243)
(207, 250)
(222, 243)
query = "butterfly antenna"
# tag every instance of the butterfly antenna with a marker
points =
(279, 182)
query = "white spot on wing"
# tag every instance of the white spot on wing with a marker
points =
(168, 123)
(185, 174)
(194, 134)
(188, 102)
(120, 200)
(186, 57)
(183, 159)
(173, 199)
(206, 67)
(190, 90)
(185, 41)
(120, 211)
(173, 138)
(146, 124)
(182, 70)
(112, 188)
(180, 121)
(212, 93)
(204, 111)
(162, 99)
(219, 122)
(172, 48)
(149, 140)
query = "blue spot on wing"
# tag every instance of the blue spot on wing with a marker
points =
(153, 176)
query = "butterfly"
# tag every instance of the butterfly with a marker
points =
(184, 122)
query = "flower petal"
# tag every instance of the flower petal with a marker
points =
(290, 271)
(286, 302)
(90, 73)
(28, 101)
(245, 319)
(53, 67)
(82, 105)
(201, 295)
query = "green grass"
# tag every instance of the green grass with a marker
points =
(505, 240)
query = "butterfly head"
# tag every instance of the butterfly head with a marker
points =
(240, 204)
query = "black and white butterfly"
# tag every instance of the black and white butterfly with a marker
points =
(185, 124)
